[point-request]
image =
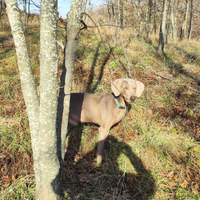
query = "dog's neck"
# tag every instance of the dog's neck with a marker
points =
(121, 103)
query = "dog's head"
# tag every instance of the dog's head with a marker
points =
(128, 88)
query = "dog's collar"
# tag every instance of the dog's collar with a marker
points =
(118, 104)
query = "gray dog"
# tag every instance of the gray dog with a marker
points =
(105, 110)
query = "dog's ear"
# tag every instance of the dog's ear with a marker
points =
(140, 88)
(116, 87)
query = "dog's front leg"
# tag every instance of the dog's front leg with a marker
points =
(103, 133)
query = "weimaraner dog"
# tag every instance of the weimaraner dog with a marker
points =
(105, 110)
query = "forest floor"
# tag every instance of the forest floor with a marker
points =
(154, 153)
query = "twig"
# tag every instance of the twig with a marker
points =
(61, 45)
(106, 46)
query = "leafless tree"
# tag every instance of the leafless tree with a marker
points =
(162, 27)
(183, 28)
(46, 137)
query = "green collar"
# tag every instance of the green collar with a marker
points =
(117, 102)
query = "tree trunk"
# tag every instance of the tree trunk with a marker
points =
(155, 12)
(73, 25)
(24, 8)
(0, 8)
(146, 17)
(139, 20)
(28, 86)
(42, 115)
(84, 9)
(167, 32)
(190, 23)
(109, 18)
(173, 19)
(119, 16)
(28, 14)
(89, 10)
(124, 14)
(49, 162)
(182, 34)
(135, 22)
(162, 27)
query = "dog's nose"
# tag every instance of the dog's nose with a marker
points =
(132, 98)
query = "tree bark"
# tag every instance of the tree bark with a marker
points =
(124, 14)
(42, 115)
(49, 162)
(146, 17)
(0, 8)
(162, 27)
(155, 12)
(89, 10)
(190, 23)
(24, 8)
(119, 21)
(182, 34)
(135, 22)
(28, 86)
(84, 9)
(110, 22)
(28, 14)
(173, 19)
(73, 27)
(139, 20)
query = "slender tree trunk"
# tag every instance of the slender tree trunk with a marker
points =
(110, 22)
(49, 161)
(125, 53)
(139, 20)
(173, 19)
(190, 23)
(28, 86)
(24, 8)
(155, 12)
(124, 14)
(167, 32)
(74, 18)
(135, 22)
(84, 9)
(119, 21)
(0, 8)
(182, 34)
(162, 27)
(146, 17)
(89, 10)
(28, 14)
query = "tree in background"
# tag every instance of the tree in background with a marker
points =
(42, 112)
(183, 28)
(191, 18)
(162, 27)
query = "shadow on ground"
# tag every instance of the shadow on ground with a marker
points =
(82, 179)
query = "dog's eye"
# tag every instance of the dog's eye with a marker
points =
(125, 88)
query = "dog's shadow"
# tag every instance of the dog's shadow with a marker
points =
(121, 175)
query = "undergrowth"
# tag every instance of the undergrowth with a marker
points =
(154, 153)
